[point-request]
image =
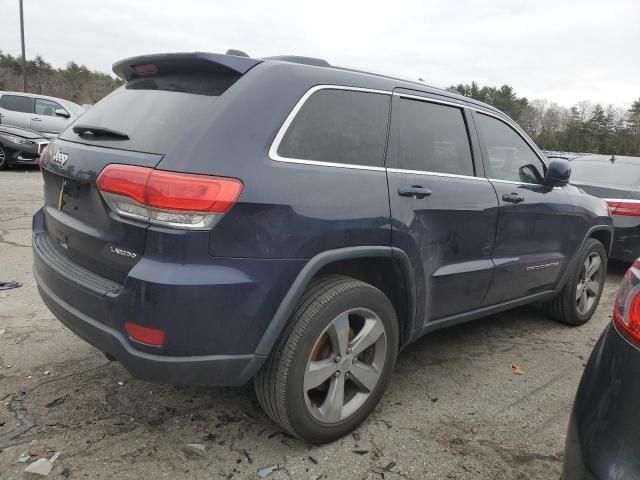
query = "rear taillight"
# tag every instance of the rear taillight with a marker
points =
(179, 200)
(630, 208)
(626, 311)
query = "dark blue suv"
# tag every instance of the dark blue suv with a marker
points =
(221, 218)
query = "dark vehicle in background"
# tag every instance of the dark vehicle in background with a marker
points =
(570, 156)
(47, 115)
(19, 146)
(603, 441)
(299, 226)
(615, 179)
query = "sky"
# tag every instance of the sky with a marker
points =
(565, 51)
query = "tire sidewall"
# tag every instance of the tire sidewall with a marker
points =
(4, 163)
(304, 424)
(591, 246)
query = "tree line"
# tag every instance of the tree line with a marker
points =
(73, 82)
(584, 127)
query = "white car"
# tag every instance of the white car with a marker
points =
(47, 115)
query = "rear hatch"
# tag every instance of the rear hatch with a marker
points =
(159, 111)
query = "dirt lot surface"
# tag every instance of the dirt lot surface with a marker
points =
(455, 409)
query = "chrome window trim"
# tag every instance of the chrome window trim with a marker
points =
(435, 174)
(429, 100)
(273, 149)
(511, 182)
(515, 129)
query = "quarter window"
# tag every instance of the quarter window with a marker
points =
(339, 126)
(507, 155)
(47, 107)
(17, 103)
(429, 137)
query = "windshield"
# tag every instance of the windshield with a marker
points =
(76, 109)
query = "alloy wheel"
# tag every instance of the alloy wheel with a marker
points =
(3, 158)
(589, 283)
(345, 365)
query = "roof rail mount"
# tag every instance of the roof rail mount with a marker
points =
(317, 62)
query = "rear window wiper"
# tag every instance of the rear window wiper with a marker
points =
(101, 131)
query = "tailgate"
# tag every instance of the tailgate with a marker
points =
(80, 225)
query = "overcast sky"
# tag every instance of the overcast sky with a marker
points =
(562, 50)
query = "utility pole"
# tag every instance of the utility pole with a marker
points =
(24, 67)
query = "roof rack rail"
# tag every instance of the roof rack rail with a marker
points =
(316, 62)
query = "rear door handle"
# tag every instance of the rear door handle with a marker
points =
(512, 197)
(36, 119)
(415, 191)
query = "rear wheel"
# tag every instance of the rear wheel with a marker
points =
(333, 362)
(579, 298)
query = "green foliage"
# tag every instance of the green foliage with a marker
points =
(581, 128)
(74, 82)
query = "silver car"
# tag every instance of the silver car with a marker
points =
(47, 115)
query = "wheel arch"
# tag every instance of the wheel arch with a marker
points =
(602, 233)
(362, 263)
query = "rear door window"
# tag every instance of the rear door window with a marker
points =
(17, 103)
(507, 155)
(429, 137)
(339, 126)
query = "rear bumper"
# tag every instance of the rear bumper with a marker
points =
(214, 313)
(221, 370)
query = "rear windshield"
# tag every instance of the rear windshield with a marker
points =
(154, 112)
(603, 172)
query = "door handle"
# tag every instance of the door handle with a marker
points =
(512, 197)
(415, 191)
(36, 119)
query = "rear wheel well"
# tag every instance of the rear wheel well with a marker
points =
(604, 237)
(386, 275)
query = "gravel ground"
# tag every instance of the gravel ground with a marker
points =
(454, 410)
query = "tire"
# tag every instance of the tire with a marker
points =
(285, 384)
(4, 160)
(566, 307)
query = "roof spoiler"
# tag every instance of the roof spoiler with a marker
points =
(160, 63)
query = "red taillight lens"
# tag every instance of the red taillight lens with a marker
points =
(193, 193)
(125, 180)
(630, 208)
(173, 199)
(149, 336)
(626, 312)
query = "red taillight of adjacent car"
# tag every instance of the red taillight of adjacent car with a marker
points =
(179, 200)
(626, 311)
(149, 336)
(629, 208)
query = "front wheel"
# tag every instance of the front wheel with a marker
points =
(580, 296)
(333, 362)
(3, 158)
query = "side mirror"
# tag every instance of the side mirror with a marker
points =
(60, 112)
(558, 173)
